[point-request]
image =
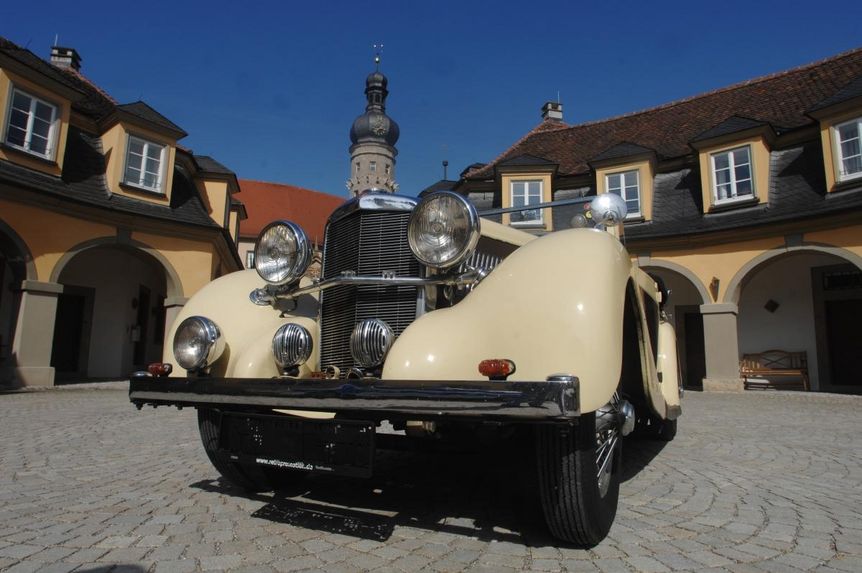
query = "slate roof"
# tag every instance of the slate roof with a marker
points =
(622, 150)
(210, 165)
(266, 202)
(143, 111)
(442, 185)
(850, 91)
(733, 124)
(781, 100)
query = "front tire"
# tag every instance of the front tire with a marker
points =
(579, 476)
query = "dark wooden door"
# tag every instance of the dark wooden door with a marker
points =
(845, 340)
(695, 352)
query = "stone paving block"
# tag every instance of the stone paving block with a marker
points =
(176, 566)
(219, 562)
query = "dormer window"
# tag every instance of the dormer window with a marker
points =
(32, 125)
(627, 185)
(732, 175)
(524, 194)
(144, 164)
(849, 149)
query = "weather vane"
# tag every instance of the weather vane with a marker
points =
(378, 49)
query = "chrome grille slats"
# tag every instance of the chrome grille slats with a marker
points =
(366, 242)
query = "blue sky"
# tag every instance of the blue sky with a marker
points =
(270, 89)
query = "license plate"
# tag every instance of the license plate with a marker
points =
(339, 447)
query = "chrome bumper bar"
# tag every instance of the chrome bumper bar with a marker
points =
(553, 400)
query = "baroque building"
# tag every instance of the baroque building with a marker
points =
(746, 201)
(107, 224)
(373, 137)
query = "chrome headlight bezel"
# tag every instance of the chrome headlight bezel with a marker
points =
(282, 253)
(292, 345)
(203, 341)
(439, 218)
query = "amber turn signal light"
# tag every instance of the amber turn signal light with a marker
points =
(159, 369)
(497, 368)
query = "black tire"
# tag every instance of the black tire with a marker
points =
(666, 430)
(249, 477)
(575, 508)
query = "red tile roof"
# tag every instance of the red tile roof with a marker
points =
(266, 202)
(779, 99)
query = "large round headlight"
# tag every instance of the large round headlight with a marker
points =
(197, 343)
(444, 229)
(291, 345)
(282, 253)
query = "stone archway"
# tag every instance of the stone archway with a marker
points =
(110, 316)
(785, 301)
(16, 267)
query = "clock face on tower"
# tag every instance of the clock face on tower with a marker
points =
(378, 125)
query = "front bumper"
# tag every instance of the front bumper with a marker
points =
(486, 400)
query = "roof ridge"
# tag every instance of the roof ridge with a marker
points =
(540, 128)
(78, 75)
(731, 87)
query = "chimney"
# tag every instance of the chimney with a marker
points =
(65, 58)
(552, 110)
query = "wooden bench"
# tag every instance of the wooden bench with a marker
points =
(775, 369)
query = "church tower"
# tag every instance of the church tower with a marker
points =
(373, 137)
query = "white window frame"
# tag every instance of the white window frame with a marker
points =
(837, 152)
(53, 129)
(540, 221)
(139, 184)
(734, 197)
(249, 259)
(623, 189)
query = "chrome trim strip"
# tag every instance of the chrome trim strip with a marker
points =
(264, 296)
(373, 201)
(527, 401)
(548, 205)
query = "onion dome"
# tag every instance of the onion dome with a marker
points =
(374, 126)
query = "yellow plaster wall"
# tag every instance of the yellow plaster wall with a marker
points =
(506, 195)
(52, 167)
(828, 143)
(114, 143)
(50, 235)
(192, 260)
(849, 238)
(719, 261)
(233, 225)
(217, 199)
(760, 166)
(645, 181)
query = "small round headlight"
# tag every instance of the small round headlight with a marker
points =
(282, 253)
(291, 345)
(370, 341)
(197, 343)
(444, 229)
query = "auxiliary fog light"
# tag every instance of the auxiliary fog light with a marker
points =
(197, 343)
(291, 345)
(370, 340)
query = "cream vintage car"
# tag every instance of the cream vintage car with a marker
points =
(442, 324)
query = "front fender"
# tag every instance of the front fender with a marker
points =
(246, 327)
(553, 306)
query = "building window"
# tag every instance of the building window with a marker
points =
(388, 168)
(732, 175)
(525, 193)
(357, 167)
(849, 149)
(32, 124)
(144, 164)
(249, 259)
(627, 185)
(372, 166)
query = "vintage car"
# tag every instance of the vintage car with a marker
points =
(442, 324)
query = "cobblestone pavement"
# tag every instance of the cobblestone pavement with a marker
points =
(754, 482)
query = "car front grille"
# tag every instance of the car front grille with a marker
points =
(367, 243)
